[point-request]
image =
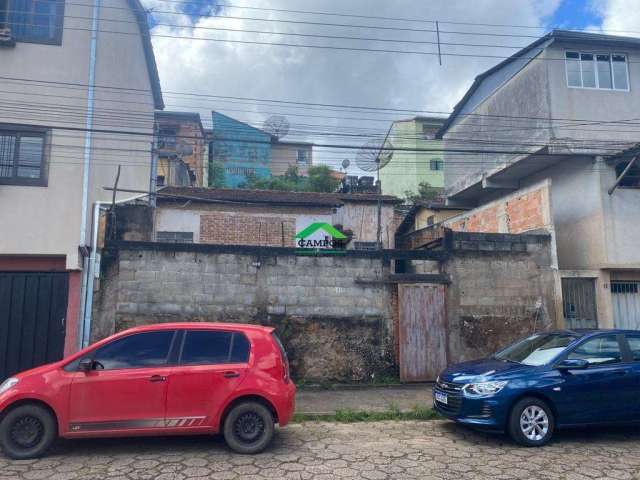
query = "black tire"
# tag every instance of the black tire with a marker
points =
(27, 431)
(248, 428)
(531, 422)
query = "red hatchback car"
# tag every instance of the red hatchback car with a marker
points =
(169, 379)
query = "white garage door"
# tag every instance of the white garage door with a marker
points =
(626, 304)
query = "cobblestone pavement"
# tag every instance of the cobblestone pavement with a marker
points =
(393, 450)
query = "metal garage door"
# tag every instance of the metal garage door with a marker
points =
(626, 304)
(33, 307)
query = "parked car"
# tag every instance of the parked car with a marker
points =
(169, 379)
(546, 381)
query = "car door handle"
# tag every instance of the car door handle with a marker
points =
(157, 378)
(230, 374)
(620, 372)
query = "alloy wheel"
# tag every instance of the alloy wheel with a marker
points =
(534, 423)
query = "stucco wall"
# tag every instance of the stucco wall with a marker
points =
(285, 155)
(46, 220)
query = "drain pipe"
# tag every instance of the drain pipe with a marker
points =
(87, 310)
(87, 158)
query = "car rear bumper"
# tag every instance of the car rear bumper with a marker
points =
(288, 404)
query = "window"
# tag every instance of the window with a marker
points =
(245, 171)
(598, 351)
(536, 350)
(625, 287)
(634, 346)
(22, 157)
(202, 347)
(167, 138)
(429, 132)
(160, 181)
(36, 21)
(606, 71)
(135, 351)
(175, 237)
(435, 164)
(632, 178)
(431, 219)
(365, 245)
(302, 157)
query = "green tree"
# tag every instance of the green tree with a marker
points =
(321, 180)
(426, 193)
(216, 175)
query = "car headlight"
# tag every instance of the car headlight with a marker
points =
(7, 384)
(483, 389)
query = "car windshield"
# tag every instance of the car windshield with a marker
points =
(536, 350)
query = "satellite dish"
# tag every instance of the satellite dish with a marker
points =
(374, 155)
(345, 163)
(276, 126)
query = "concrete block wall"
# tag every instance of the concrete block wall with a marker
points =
(334, 328)
(502, 288)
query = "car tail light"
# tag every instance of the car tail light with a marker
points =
(283, 357)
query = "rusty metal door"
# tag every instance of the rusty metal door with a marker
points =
(422, 332)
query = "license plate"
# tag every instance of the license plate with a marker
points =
(441, 397)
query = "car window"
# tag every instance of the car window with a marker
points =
(537, 349)
(135, 351)
(598, 351)
(202, 347)
(634, 345)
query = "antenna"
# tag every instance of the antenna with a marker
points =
(276, 126)
(374, 155)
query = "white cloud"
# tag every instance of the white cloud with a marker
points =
(620, 17)
(413, 82)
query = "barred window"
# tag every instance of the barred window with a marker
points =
(175, 237)
(22, 157)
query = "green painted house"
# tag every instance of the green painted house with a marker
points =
(409, 166)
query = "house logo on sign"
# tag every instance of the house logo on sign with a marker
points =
(309, 240)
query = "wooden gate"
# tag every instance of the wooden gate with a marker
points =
(422, 331)
(33, 307)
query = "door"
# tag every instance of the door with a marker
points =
(605, 390)
(212, 365)
(128, 387)
(626, 304)
(422, 332)
(633, 341)
(33, 307)
(579, 302)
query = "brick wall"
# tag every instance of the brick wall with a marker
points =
(523, 211)
(237, 229)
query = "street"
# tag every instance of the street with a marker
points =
(393, 450)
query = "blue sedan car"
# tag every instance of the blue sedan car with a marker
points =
(546, 381)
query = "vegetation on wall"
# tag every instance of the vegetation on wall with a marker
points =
(426, 193)
(318, 179)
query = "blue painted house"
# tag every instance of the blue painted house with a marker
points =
(242, 149)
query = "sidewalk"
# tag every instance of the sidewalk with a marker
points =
(379, 398)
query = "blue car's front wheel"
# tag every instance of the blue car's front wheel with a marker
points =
(531, 422)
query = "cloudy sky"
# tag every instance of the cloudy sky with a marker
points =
(214, 62)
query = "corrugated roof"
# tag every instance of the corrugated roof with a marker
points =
(273, 197)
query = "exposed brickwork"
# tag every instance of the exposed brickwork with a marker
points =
(236, 229)
(514, 214)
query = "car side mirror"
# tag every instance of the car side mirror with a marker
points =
(572, 364)
(85, 365)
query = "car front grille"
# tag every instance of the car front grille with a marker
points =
(454, 397)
